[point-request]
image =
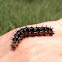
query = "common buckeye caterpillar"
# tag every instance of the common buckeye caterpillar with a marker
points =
(30, 31)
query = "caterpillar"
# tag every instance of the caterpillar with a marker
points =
(30, 31)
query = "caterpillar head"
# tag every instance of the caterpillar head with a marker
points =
(14, 45)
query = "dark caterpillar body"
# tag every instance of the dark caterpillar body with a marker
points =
(30, 31)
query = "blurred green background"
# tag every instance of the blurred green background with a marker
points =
(17, 13)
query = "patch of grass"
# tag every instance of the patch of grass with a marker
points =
(17, 13)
